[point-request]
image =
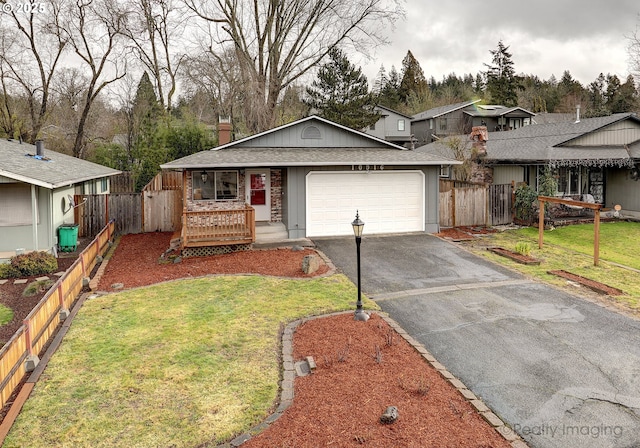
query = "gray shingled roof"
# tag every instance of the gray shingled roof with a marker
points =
(549, 142)
(239, 157)
(54, 170)
(498, 111)
(437, 111)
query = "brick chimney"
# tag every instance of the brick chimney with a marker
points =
(479, 136)
(224, 130)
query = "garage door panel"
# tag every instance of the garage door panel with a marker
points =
(388, 202)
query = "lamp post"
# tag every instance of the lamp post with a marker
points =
(358, 226)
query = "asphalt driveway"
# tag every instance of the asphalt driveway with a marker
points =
(560, 370)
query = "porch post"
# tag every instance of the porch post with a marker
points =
(34, 217)
(540, 223)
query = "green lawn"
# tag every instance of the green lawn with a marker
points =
(181, 364)
(6, 314)
(570, 248)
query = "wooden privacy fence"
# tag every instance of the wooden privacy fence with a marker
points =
(149, 211)
(20, 353)
(472, 204)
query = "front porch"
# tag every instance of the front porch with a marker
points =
(216, 229)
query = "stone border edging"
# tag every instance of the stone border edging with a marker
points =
(289, 375)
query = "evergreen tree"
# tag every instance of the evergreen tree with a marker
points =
(413, 79)
(147, 133)
(502, 82)
(390, 94)
(341, 93)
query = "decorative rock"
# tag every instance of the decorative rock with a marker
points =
(177, 260)
(297, 248)
(310, 264)
(390, 415)
(117, 286)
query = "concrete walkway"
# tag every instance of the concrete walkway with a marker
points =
(561, 371)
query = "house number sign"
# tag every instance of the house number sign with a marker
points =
(367, 167)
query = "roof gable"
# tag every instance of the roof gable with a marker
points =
(310, 132)
(442, 110)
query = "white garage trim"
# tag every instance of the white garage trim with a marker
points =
(388, 201)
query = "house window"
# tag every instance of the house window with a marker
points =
(445, 171)
(215, 185)
(431, 124)
(15, 203)
(90, 187)
(103, 185)
(400, 125)
(443, 124)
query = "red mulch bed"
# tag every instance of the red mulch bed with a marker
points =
(463, 233)
(593, 285)
(11, 297)
(340, 404)
(515, 256)
(136, 263)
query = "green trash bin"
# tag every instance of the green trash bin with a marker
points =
(68, 237)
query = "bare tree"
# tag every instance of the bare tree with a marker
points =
(94, 30)
(215, 75)
(278, 41)
(633, 49)
(32, 47)
(154, 28)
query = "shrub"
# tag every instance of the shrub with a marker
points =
(5, 270)
(37, 287)
(525, 197)
(523, 248)
(33, 263)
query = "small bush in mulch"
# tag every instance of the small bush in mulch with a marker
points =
(37, 287)
(28, 265)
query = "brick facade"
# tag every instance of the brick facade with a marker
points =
(276, 195)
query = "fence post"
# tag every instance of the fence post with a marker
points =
(64, 312)
(32, 360)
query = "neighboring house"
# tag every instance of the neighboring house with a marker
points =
(495, 117)
(392, 126)
(593, 156)
(440, 122)
(35, 187)
(460, 118)
(310, 177)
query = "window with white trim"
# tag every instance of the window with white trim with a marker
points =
(215, 185)
(443, 124)
(400, 125)
(445, 171)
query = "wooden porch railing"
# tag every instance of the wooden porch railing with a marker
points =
(218, 227)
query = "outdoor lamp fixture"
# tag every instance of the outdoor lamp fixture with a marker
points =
(204, 176)
(358, 226)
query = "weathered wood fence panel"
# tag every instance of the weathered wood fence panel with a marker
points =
(126, 210)
(122, 183)
(165, 180)
(471, 204)
(501, 204)
(162, 210)
(40, 325)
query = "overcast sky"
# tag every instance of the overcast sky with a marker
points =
(545, 37)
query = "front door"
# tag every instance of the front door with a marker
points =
(258, 187)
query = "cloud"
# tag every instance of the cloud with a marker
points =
(545, 37)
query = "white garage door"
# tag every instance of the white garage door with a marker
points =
(388, 201)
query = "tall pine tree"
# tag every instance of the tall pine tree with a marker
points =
(502, 82)
(341, 93)
(413, 79)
